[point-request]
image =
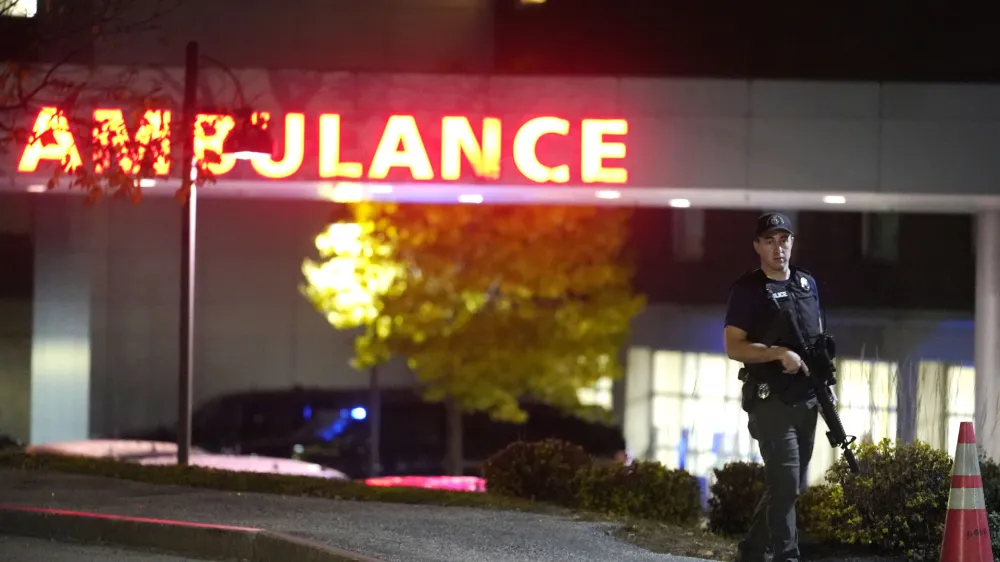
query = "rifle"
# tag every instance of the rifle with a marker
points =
(822, 373)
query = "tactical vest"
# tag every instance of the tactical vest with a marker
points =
(798, 296)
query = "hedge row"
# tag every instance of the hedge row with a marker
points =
(895, 507)
(561, 473)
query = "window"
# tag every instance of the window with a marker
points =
(880, 236)
(689, 234)
(866, 402)
(638, 417)
(867, 394)
(597, 395)
(960, 402)
(19, 8)
(932, 403)
(690, 406)
(946, 397)
(698, 423)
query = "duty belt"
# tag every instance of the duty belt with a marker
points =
(763, 390)
(752, 389)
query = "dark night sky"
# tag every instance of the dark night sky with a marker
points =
(886, 40)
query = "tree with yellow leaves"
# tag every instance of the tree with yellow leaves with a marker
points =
(489, 304)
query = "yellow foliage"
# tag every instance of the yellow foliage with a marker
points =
(487, 303)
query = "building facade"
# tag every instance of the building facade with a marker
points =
(104, 279)
(91, 349)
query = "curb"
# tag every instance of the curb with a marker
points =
(180, 537)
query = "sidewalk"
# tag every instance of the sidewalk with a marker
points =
(17, 549)
(387, 532)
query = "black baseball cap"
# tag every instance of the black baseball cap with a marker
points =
(771, 222)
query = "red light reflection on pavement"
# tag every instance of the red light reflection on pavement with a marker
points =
(124, 518)
(454, 483)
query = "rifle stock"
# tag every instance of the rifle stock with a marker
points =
(822, 374)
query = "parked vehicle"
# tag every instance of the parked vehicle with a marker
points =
(332, 428)
(165, 453)
(413, 439)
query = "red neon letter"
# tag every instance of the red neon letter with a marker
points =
(209, 132)
(51, 139)
(524, 150)
(330, 165)
(457, 139)
(593, 150)
(111, 136)
(401, 129)
(295, 148)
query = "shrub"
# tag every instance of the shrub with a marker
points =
(897, 504)
(817, 510)
(734, 495)
(538, 470)
(990, 470)
(994, 521)
(644, 490)
(738, 488)
(991, 481)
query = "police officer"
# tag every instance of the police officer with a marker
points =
(781, 404)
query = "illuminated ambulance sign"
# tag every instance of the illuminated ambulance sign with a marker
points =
(449, 149)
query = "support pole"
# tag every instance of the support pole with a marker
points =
(987, 330)
(187, 269)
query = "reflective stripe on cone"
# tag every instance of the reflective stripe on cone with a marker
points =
(966, 499)
(966, 460)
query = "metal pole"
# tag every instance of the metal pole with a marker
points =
(374, 424)
(188, 236)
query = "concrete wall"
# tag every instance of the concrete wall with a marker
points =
(15, 316)
(15, 368)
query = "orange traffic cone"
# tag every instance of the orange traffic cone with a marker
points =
(966, 530)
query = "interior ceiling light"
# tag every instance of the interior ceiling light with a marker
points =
(834, 199)
(680, 203)
(342, 192)
(470, 198)
(608, 194)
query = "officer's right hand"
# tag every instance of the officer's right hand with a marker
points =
(792, 363)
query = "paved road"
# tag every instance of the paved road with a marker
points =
(390, 532)
(17, 549)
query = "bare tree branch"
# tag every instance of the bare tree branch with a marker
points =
(50, 70)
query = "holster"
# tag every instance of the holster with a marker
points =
(749, 394)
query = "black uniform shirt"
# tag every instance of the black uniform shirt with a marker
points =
(750, 310)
